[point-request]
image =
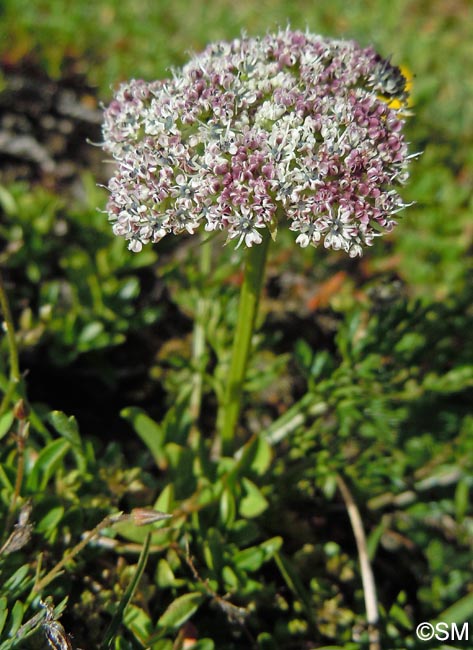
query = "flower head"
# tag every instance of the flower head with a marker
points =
(289, 126)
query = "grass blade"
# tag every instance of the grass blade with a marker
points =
(127, 596)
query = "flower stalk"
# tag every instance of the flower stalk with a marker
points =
(247, 311)
(198, 337)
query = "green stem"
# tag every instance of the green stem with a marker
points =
(247, 311)
(21, 437)
(117, 619)
(198, 340)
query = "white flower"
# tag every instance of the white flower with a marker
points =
(290, 123)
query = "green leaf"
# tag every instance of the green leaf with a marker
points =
(66, 426)
(5, 423)
(181, 609)
(162, 644)
(263, 456)
(230, 578)
(398, 614)
(150, 432)
(17, 612)
(266, 642)
(165, 502)
(50, 520)
(90, 333)
(271, 546)
(181, 461)
(47, 463)
(374, 538)
(204, 644)
(250, 559)
(5, 480)
(462, 610)
(254, 503)
(227, 507)
(3, 612)
(18, 580)
(303, 353)
(138, 621)
(7, 201)
(256, 455)
(164, 574)
(455, 380)
(131, 532)
(122, 644)
(129, 288)
(462, 499)
(213, 546)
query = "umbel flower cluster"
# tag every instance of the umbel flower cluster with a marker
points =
(251, 133)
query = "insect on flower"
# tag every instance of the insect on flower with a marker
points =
(389, 80)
